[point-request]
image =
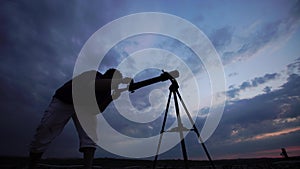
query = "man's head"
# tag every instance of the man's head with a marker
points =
(112, 73)
(115, 75)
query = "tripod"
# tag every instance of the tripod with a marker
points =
(180, 129)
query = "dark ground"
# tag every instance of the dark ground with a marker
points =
(109, 163)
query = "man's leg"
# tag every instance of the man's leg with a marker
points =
(54, 119)
(88, 156)
(87, 145)
(34, 158)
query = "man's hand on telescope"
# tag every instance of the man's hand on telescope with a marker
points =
(126, 80)
(115, 94)
(116, 82)
(116, 91)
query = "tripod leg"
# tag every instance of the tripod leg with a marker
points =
(162, 130)
(180, 126)
(196, 130)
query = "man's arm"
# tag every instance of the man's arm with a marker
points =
(106, 101)
(104, 88)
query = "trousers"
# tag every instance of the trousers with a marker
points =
(55, 117)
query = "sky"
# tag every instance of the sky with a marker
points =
(257, 41)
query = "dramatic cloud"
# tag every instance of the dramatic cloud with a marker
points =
(254, 122)
(262, 35)
(233, 92)
(221, 37)
(294, 67)
(267, 89)
(261, 80)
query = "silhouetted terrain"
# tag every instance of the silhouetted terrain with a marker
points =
(109, 163)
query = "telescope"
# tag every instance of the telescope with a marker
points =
(132, 86)
(163, 77)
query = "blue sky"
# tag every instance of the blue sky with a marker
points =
(257, 42)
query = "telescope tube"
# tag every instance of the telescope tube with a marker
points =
(163, 77)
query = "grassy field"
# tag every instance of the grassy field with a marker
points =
(109, 163)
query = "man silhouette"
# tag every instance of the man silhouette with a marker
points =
(61, 110)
